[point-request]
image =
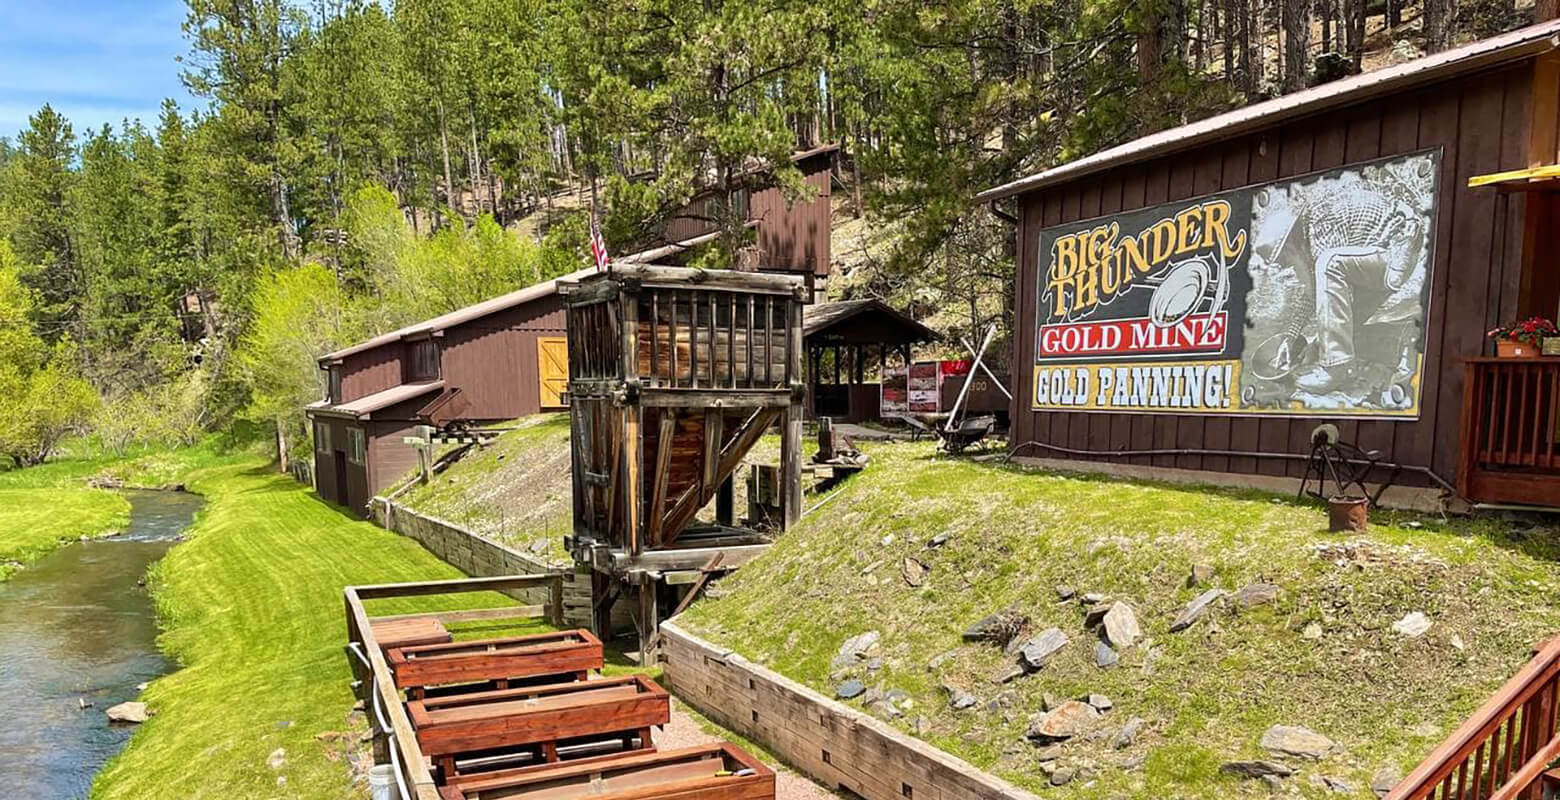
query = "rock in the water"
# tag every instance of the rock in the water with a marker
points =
(1100, 702)
(1412, 625)
(958, 699)
(1104, 656)
(1201, 575)
(1384, 779)
(1068, 720)
(850, 689)
(1063, 776)
(1128, 734)
(1036, 652)
(1121, 626)
(131, 712)
(1195, 610)
(277, 759)
(1255, 594)
(1287, 740)
(1256, 769)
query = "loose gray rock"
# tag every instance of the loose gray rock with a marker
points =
(1195, 610)
(1100, 702)
(1068, 720)
(1063, 776)
(1255, 594)
(277, 759)
(1128, 734)
(914, 571)
(1093, 598)
(1049, 752)
(1035, 653)
(959, 700)
(1121, 626)
(1384, 779)
(850, 689)
(1095, 616)
(1201, 575)
(999, 628)
(1256, 769)
(938, 541)
(940, 659)
(1312, 630)
(132, 713)
(1134, 762)
(1012, 673)
(1065, 592)
(1286, 740)
(1413, 625)
(855, 649)
(1334, 785)
(1104, 656)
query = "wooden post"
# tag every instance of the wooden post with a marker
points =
(649, 620)
(632, 413)
(791, 441)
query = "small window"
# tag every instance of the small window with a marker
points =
(333, 391)
(424, 362)
(357, 446)
(322, 437)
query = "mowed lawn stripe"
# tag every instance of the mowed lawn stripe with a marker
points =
(35, 521)
(253, 611)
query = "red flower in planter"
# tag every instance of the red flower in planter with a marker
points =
(1531, 331)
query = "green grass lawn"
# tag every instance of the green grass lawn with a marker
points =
(35, 521)
(252, 610)
(1323, 655)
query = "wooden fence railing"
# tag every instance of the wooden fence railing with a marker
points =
(1504, 749)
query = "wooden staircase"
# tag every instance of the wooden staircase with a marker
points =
(1506, 750)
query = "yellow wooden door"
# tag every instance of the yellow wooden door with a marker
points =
(552, 369)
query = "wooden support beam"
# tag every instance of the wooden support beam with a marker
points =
(713, 419)
(649, 620)
(663, 466)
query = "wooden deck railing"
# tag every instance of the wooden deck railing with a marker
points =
(1511, 431)
(1502, 751)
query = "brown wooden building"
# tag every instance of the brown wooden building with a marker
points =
(849, 342)
(496, 360)
(1204, 298)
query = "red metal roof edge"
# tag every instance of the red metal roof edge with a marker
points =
(1511, 46)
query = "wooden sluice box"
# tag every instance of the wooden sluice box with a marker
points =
(573, 653)
(536, 721)
(674, 375)
(711, 772)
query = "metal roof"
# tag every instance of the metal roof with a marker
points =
(368, 404)
(458, 316)
(1507, 47)
(820, 317)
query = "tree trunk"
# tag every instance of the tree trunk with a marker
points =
(444, 144)
(1296, 16)
(1437, 15)
(281, 445)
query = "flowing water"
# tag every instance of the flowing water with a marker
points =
(75, 626)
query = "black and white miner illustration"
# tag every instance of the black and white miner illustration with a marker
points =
(1340, 267)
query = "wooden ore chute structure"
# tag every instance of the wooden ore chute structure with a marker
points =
(674, 375)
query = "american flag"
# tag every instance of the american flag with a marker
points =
(598, 246)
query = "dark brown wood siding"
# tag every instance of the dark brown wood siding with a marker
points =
(493, 362)
(327, 481)
(1480, 122)
(373, 370)
(791, 238)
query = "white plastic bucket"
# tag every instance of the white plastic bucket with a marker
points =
(381, 782)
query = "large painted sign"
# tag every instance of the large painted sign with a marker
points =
(1306, 296)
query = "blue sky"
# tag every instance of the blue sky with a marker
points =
(95, 61)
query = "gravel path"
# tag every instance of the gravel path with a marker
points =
(684, 731)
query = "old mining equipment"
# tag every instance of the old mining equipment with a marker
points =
(674, 374)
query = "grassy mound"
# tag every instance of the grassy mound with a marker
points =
(1323, 654)
(35, 521)
(514, 490)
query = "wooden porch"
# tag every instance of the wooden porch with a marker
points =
(1510, 451)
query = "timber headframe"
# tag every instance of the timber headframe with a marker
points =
(674, 375)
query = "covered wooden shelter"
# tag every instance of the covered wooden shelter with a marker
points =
(849, 341)
(674, 374)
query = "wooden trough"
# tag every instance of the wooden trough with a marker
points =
(711, 772)
(674, 375)
(573, 652)
(540, 718)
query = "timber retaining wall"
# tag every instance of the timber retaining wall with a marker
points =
(481, 557)
(836, 745)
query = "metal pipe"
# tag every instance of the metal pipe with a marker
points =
(377, 706)
(1200, 451)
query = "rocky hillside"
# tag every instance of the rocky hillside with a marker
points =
(1118, 639)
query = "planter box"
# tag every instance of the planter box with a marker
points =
(694, 773)
(1506, 348)
(539, 715)
(573, 652)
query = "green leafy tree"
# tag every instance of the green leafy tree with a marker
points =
(41, 398)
